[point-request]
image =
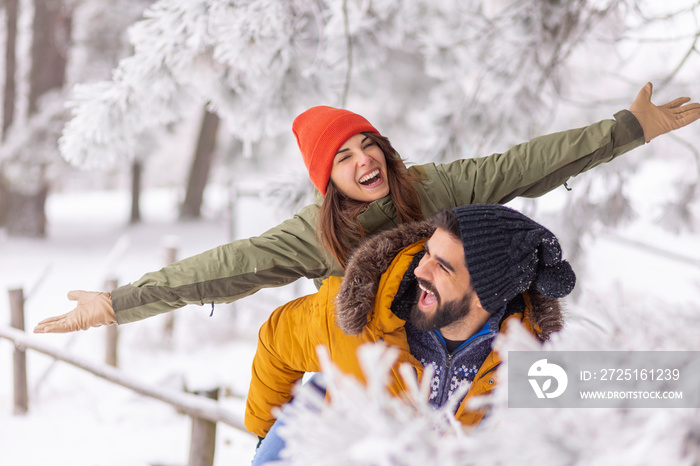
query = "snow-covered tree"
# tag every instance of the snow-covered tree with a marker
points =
(60, 32)
(51, 29)
(486, 70)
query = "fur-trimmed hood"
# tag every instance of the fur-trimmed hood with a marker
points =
(356, 298)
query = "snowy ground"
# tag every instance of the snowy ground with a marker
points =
(77, 419)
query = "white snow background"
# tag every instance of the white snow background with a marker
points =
(78, 419)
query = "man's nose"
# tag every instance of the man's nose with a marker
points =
(423, 269)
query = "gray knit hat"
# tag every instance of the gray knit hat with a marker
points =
(506, 252)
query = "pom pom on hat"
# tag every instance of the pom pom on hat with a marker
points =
(556, 281)
(507, 252)
(320, 131)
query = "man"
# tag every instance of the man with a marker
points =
(441, 302)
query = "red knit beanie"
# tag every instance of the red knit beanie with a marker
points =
(320, 131)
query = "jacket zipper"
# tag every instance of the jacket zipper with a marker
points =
(447, 378)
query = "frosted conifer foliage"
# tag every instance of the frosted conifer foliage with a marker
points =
(479, 69)
(253, 62)
(503, 64)
(180, 57)
(365, 425)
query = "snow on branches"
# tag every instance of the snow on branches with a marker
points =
(251, 61)
(108, 116)
(466, 72)
(365, 425)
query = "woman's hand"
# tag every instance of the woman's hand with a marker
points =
(658, 120)
(93, 310)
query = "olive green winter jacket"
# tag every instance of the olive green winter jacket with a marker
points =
(290, 250)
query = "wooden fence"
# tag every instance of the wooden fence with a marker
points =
(204, 409)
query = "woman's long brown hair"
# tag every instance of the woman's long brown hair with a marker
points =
(338, 227)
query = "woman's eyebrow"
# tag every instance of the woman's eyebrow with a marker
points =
(361, 142)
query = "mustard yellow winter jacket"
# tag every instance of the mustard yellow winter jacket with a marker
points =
(288, 340)
(290, 250)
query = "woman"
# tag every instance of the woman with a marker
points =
(366, 189)
(351, 176)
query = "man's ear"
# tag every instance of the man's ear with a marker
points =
(476, 309)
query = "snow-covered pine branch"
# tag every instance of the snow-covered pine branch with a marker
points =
(253, 62)
(109, 115)
(502, 67)
(365, 425)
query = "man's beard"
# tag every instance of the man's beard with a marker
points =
(445, 313)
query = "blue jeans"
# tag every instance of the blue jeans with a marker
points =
(273, 443)
(271, 446)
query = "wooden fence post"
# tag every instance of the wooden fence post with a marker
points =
(19, 357)
(203, 440)
(112, 333)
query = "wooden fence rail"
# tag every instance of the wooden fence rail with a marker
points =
(193, 405)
